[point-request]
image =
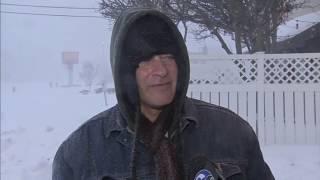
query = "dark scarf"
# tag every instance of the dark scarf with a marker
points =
(155, 137)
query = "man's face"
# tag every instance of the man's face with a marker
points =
(157, 80)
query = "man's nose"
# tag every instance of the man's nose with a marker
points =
(158, 66)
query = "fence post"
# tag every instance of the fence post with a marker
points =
(260, 122)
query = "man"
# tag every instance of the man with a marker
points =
(155, 131)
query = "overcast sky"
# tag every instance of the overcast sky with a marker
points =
(31, 46)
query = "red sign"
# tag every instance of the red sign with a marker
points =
(70, 57)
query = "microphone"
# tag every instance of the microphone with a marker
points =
(201, 168)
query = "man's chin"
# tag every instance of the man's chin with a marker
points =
(159, 105)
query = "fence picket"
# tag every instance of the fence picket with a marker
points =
(206, 96)
(310, 119)
(215, 98)
(261, 117)
(224, 99)
(289, 118)
(233, 102)
(269, 118)
(300, 125)
(242, 105)
(252, 110)
(317, 115)
(279, 117)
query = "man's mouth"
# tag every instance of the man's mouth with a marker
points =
(161, 84)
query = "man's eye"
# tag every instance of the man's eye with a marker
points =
(168, 60)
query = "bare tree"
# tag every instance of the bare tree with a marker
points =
(252, 23)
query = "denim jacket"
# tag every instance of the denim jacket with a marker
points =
(101, 148)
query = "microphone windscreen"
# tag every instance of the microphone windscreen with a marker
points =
(201, 168)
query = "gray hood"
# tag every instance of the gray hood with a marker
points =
(124, 55)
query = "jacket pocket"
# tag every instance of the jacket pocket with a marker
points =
(232, 170)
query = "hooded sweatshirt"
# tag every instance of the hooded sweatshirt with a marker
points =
(138, 34)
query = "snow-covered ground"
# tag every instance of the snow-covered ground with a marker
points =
(36, 118)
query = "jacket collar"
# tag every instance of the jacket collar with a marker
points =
(189, 113)
(113, 122)
(116, 122)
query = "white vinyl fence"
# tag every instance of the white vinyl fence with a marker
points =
(278, 94)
